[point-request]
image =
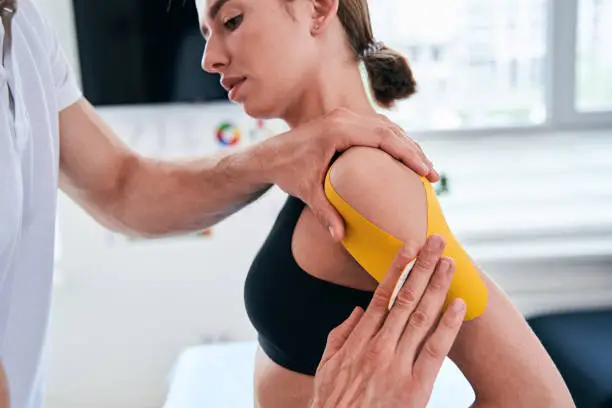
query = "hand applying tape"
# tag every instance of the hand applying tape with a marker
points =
(370, 361)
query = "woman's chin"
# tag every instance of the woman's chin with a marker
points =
(259, 111)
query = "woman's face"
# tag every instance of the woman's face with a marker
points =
(263, 50)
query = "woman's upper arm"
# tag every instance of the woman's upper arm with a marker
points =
(504, 360)
(497, 352)
(368, 179)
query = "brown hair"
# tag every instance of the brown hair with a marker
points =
(390, 75)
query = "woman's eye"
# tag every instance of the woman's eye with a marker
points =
(233, 23)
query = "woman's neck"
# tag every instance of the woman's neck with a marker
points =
(328, 90)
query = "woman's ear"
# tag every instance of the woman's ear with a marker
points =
(323, 13)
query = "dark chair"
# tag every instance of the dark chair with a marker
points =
(580, 344)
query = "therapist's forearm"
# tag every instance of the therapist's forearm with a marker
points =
(157, 198)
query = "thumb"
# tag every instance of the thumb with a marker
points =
(328, 216)
(338, 336)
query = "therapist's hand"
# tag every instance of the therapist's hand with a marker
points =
(391, 359)
(298, 160)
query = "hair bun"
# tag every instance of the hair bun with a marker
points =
(390, 75)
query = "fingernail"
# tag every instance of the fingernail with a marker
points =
(458, 305)
(425, 167)
(444, 266)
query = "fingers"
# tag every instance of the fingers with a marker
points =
(390, 137)
(423, 161)
(403, 151)
(327, 215)
(377, 309)
(410, 294)
(428, 310)
(337, 337)
(433, 175)
(409, 153)
(436, 348)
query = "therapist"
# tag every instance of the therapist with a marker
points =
(51, 136)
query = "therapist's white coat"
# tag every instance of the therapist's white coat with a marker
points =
(42, 83)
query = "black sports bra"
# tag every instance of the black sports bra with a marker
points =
(293, 311)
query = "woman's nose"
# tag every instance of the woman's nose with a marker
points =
(214, 59)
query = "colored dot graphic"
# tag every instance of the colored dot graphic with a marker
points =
(228, 134)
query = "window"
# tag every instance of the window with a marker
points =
(501, 64)
(481, 51)
(594, 56)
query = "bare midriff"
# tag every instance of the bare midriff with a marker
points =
(278, 387)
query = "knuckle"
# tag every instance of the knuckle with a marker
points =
(314, 202)
(332, 337)
(438, 283)
(415, 156)
(428, 261)
(381, 296)
(335, 120)
(381, 131)
(418, 320)
(341, 111)
(406, 254)
(336, 112)
(342, 115)
(430, 255)
(406, 298)
(408, 251)
(382, 342)
(384, 120)
(371, 355)
(432, 351)
(418, 147)
(374, 353)
(303, 192)
(333, 345)
(345, 361)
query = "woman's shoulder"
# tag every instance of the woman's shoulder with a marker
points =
(381, 189)
(360, 170)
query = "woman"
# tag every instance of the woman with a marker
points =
(296, 60)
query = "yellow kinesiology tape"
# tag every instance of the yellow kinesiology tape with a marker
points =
(375, 249)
